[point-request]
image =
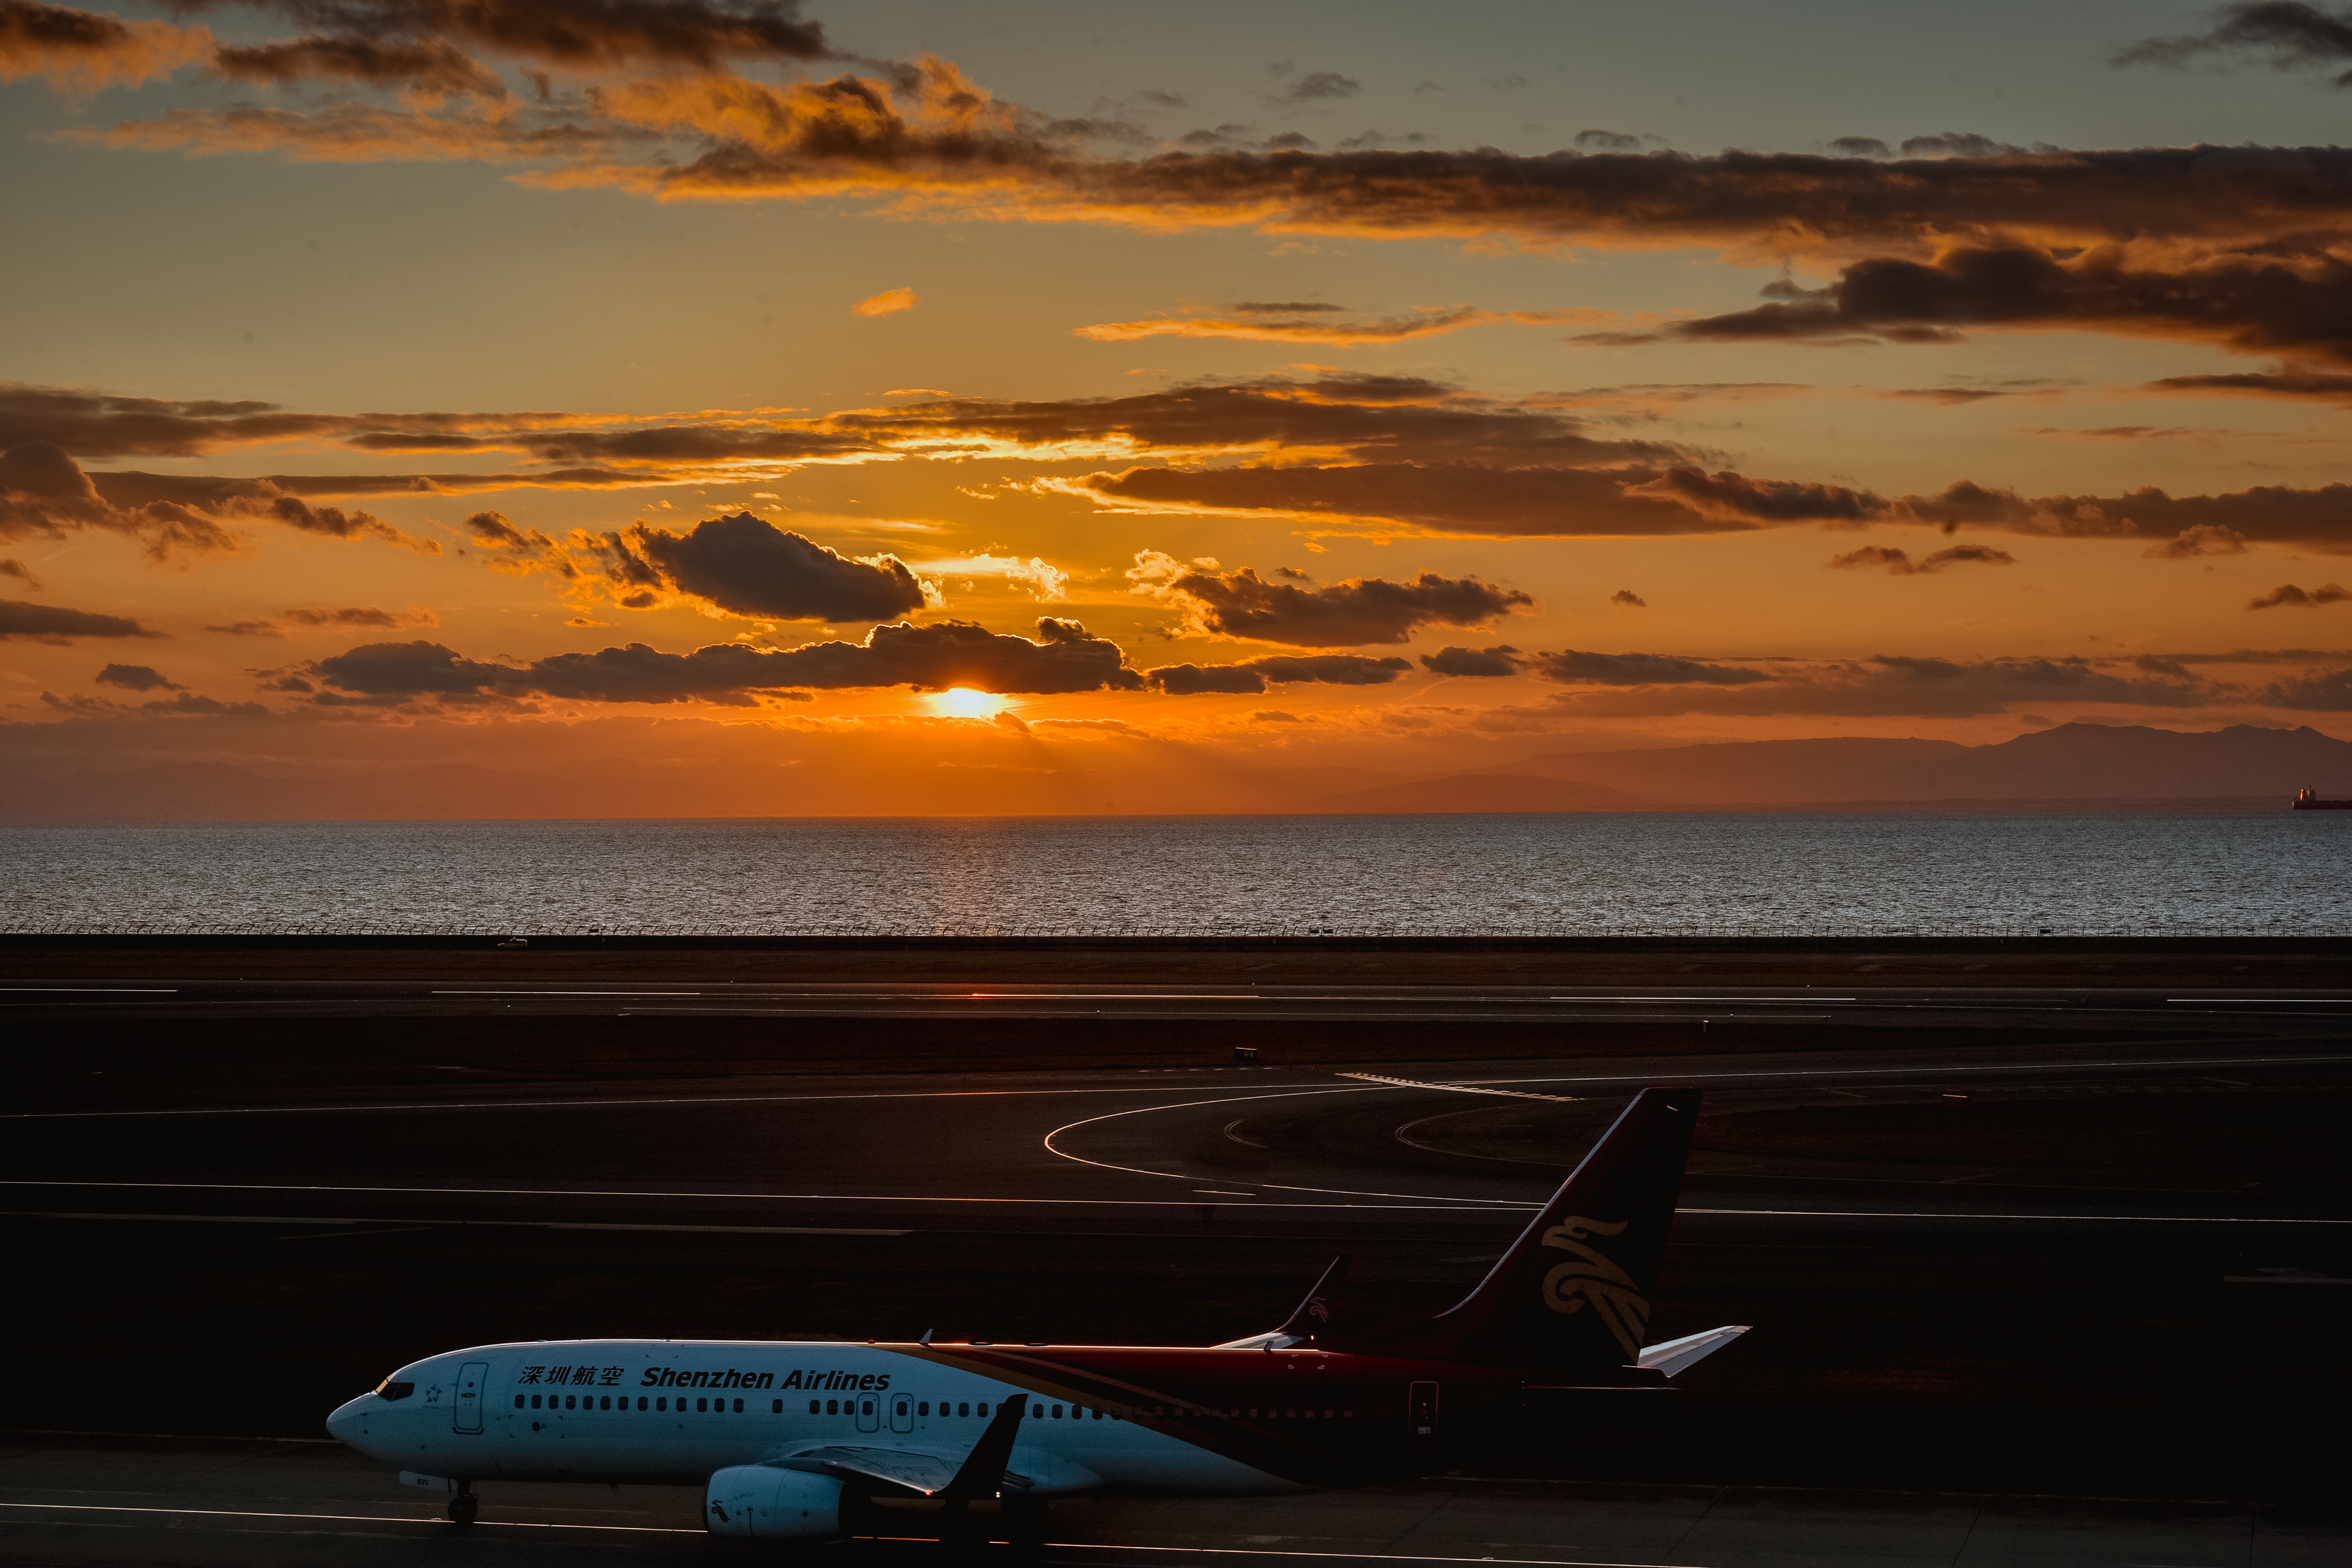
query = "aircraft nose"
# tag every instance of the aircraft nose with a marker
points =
(343, 1425)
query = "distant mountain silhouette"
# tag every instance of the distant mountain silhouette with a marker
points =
(1480, 793)
(2071, 762)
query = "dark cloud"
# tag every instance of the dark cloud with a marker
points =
(1255, 675)
(747, 566)
(491, 531)
(2288, 594)
(1639, 670)
(44, 493)
(1366, 416)
(1890, 686)
(1626, 599)
(55, 624)
(1317, 85)
(1360, 610)
(2283, 35)
(2328, 386)
(1449, 498)
(1284, 307)
(1500, 660)
(22, 572)
(428, 65)
(136, 677)
(1897, 563)
(1063, 658)
(577, 34)
(1734, 496)
(2317, 691)
(101, 425)
(2204, 539)
(1861, 147)
(2299, 305)
(363, 616)
(1948, 186)
(662, 445)
(1956, 144)
(251, 629)
(1608, 142)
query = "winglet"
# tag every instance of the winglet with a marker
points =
(1312, 1315)
(982, 1475)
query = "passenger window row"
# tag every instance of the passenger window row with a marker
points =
(961, 1409)
(605, 1402)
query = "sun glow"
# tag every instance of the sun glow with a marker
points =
(963, 702)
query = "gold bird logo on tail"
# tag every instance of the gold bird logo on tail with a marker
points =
(1589, 1277)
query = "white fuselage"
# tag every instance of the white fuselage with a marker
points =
(675, 1411)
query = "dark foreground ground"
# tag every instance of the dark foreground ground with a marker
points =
(66, 1501)
(2071, 1220)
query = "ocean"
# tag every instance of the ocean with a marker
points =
(1745, 873)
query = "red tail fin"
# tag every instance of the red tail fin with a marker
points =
(1573, 1295)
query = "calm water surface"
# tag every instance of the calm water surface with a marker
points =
(1739, 873)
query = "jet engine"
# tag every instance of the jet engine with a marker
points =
(765, 1502)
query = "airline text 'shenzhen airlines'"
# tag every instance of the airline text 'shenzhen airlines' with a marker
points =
(793, 1440)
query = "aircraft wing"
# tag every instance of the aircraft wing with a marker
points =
(923, 1474)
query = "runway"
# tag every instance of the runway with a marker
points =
(1994, 1237)
(194, 1503)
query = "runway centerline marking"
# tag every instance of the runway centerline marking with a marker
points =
(1441, 1205)
(565, 1104)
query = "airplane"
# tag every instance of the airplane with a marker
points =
(812, 1440)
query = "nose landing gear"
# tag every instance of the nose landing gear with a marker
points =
(464, 1507)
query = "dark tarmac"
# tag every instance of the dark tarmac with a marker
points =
(198, 1504)
(2036, 1227)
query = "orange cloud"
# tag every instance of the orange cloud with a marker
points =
(888, 302)
(1315, 329)
(81, 51)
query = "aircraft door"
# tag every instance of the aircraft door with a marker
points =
(869, 1412)
(465, 1413)
(902, 1412)
(1420, 1411)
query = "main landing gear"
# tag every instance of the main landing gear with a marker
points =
(464, 1507)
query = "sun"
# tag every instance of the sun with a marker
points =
(963, 702)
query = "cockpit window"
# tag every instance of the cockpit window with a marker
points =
(388, 1389)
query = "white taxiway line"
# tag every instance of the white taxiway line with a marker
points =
(1898, 1070)
(1360, 1556)
(341, 1518)
(1446, 1206)
(593, 1104)
(1457, 1088)
(413, 1222)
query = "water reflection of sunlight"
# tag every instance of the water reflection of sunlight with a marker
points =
(963, 702)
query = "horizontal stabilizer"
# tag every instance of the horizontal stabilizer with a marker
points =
(1680, 1355)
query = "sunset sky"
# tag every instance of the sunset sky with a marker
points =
(916, 390)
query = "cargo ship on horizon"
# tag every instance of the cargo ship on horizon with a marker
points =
(2306, 800)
